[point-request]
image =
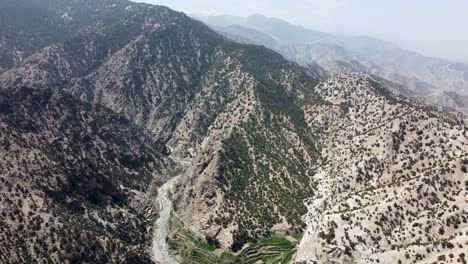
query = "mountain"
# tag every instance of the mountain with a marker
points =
(203, 96)
(392, 182)
(29, 26)
(266, 151)
(246, 35)
(75, 180)
(427, 77)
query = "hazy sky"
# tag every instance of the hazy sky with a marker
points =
(432, 27)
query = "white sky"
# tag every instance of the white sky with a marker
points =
(436, 28)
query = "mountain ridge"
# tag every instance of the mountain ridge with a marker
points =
(184, 83)
(425, 76)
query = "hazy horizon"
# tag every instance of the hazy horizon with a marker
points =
(431, 27)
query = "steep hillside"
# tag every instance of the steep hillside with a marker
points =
(392, 183)
(74, 181)
(257, 149)
(30, 25)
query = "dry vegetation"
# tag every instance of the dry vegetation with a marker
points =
(392, 184)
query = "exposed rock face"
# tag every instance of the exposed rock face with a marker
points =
(392, 184)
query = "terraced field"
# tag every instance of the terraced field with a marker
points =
(187, 247)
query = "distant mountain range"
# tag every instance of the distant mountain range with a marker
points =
(440, 82)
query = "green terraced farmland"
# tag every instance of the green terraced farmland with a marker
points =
(190, 249)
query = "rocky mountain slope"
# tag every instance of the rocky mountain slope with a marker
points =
(433, 79)
(242, 155)
(392, 184)
(75, 181)
(211, 100)
(30, 25)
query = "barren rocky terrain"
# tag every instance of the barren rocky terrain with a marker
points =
(392, 183)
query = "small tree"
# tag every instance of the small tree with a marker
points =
(463, 169)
